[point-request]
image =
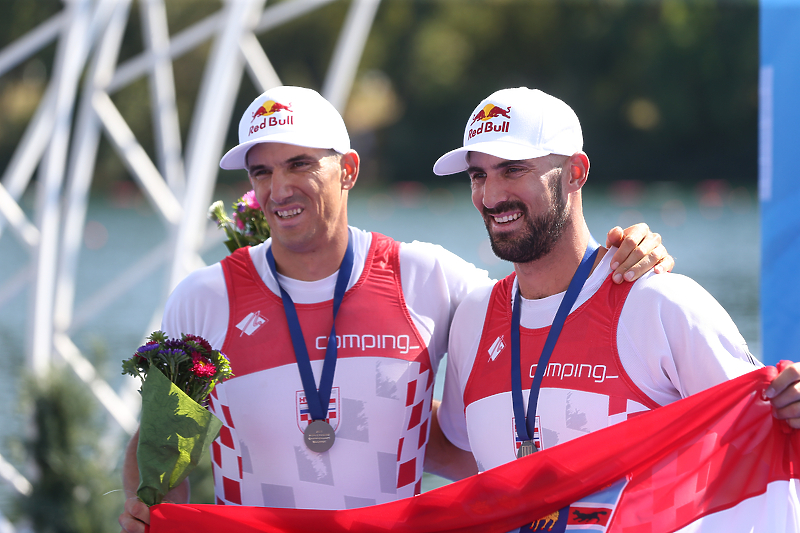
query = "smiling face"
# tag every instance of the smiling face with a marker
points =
(303, 193)
(522, 204)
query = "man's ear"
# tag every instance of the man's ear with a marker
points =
(578, 170)
(350, 165)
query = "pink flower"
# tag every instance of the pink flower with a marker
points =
(239, 223)
(250, 199)
(202, 367)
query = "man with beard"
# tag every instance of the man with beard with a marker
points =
(270, 308)
(558, 330)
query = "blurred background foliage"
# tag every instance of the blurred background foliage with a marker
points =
(74, 491)
(666, 90)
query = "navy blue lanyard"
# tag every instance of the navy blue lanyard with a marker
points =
(525, 425)
(317, 400)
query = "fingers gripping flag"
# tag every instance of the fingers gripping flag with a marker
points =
(716, 461)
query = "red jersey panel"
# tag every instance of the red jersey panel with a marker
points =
(380, 403)
(584, 388)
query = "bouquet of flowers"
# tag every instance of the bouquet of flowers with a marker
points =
(177, 377)
(246, 226)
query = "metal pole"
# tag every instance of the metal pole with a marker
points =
(70, 60)
(82, 161)
(210, 123)
(162, 96)
(347, 55)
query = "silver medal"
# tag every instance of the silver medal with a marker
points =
(526, 448)
(319, 436)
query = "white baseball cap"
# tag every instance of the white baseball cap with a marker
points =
(516, 124)
(290, 115)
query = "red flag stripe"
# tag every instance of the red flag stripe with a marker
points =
(730, 427)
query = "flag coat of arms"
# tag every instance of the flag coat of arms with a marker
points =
(304, 413)
(591, 514)
(716, 461)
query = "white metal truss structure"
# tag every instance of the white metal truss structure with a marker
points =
(61, 143)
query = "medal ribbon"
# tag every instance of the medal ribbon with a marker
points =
(525, 424)
(317, 399)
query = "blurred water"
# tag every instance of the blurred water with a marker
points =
(711, 229)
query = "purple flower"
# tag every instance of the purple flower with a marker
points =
(175, 343)
(189, 362)
(149, 347)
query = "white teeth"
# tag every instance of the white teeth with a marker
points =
(507, 218)
(289, 213)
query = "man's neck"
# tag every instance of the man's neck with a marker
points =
(311, 265)
(552, 273)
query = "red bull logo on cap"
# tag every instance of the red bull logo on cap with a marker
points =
(489, 112)
(266, 110)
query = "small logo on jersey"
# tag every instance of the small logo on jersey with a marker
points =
(496, 347)
(537, 436)
(304, 414)
(251, 323)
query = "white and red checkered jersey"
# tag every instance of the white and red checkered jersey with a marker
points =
(391, 334)
(624, 349)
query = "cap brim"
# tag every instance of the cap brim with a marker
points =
(455, 161)
(234, 159)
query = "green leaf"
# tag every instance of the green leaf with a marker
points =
(174, 432)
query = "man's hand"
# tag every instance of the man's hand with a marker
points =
(784, 393)
(639, 250)
(136, 513)
(135, 516)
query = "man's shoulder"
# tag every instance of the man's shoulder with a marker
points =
(667, 285)
(670, 293)
(424, 256)
(473, 307)
(199, 304)
(467, 328)
(414, 253)
(201, 282)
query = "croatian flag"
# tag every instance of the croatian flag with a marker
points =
(537, 440)
(305, 412)
(716, 461)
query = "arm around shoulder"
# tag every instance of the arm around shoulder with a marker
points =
(639, 250)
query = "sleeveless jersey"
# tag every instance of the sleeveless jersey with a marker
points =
(585, 387)
(380, 404)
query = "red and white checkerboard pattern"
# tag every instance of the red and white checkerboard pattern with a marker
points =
(410, 448)
(226, 458)
(621, 409)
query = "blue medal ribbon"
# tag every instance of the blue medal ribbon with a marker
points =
(318, 399)
(525, 424)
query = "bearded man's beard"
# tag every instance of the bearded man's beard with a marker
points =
(541, 233)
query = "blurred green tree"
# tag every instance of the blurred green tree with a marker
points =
(73, 490)
(666, 90)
